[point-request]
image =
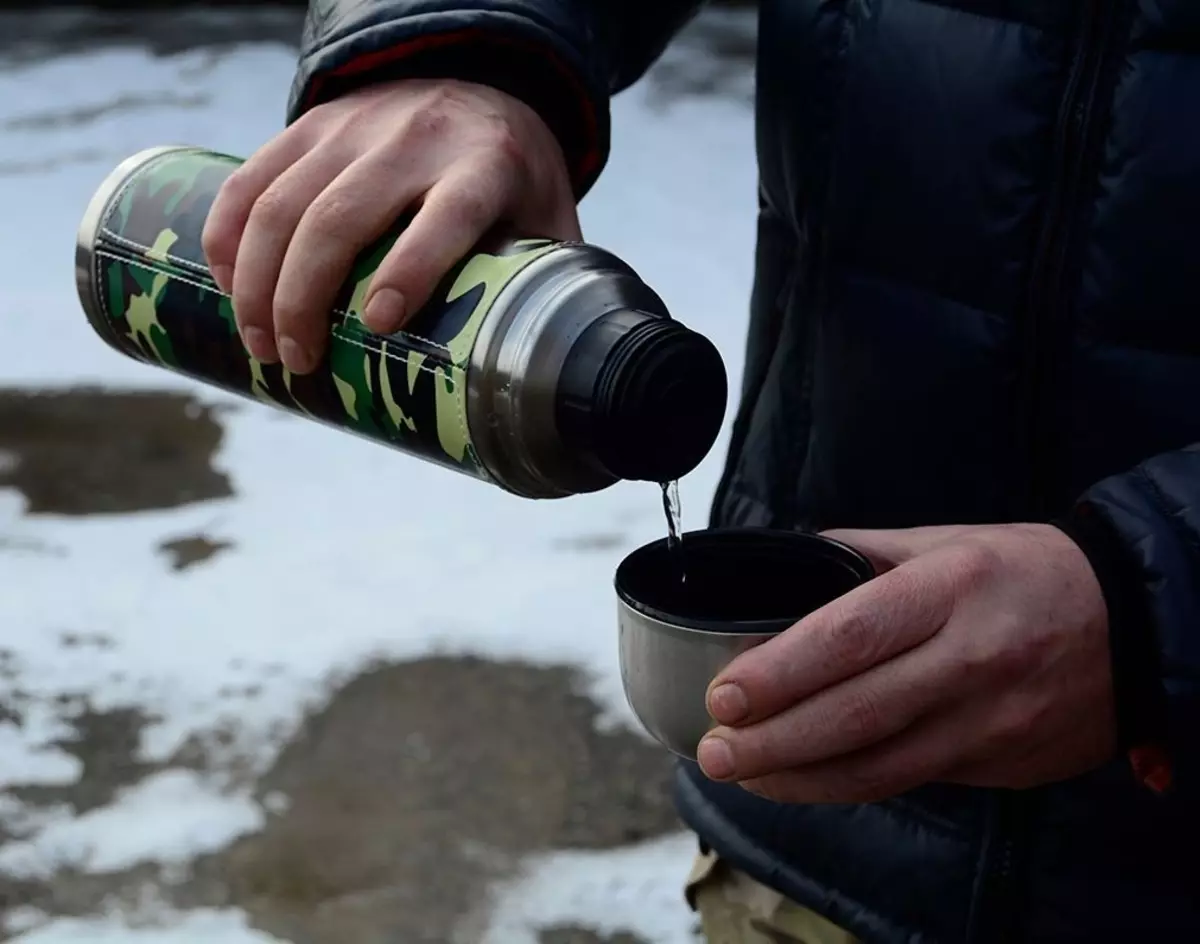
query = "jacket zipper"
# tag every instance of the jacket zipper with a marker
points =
(1049, 262)
(1001, 922)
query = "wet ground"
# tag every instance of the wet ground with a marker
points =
(414, 788)
(404, 799)
(91, 451)
(394, 810)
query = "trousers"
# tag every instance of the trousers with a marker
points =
(735, 909)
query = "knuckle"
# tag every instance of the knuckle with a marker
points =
(238, 185)
(1010, 650)
(965, 667)
(313, 121)
(991, 740)
(996, 737)
(1029, 716)
(854, 639)
(215, 243)
(432, 116)
(505, 149)
(974, 564)
(362, 118)
(354, 122)
(272, 210)
(1013, 723)
(329, 217)
(860, 717)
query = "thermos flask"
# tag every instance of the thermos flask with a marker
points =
(548, 369)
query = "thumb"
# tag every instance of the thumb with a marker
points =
(889, 549)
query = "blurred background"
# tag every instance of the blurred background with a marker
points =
(261, 681)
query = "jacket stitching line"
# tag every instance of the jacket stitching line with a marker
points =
(1172, 510)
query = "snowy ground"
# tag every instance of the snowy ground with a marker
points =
(158, 662)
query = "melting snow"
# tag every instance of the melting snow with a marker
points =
(342, 550)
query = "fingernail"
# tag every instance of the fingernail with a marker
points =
(727, 703)
(223, 276)
(260, 344)
(295, 358)
(715, 758)
(385, 310)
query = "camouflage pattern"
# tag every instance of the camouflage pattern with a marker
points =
(159, 304)
(735, 909)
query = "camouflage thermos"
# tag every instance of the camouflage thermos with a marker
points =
(546, 368)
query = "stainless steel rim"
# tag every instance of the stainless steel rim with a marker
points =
(519, 354)
(685, 632)
(87, 284)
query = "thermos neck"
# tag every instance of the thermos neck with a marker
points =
(642, 396)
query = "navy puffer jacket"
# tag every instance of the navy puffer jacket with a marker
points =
(977, 300)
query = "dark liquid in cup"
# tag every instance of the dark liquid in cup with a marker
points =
(741, 580)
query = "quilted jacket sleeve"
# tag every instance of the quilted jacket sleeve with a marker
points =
(1141, 529)
(564, 58)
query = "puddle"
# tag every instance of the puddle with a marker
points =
(90, 451)
(185, 553)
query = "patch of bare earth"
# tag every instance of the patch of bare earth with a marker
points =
(86, 451)
(408, 796)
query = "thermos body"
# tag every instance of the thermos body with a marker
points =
(483, 380)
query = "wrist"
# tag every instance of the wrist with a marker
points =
(517, 66)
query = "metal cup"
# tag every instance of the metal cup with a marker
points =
(685, 614)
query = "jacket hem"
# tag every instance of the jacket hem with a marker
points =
(716, 832)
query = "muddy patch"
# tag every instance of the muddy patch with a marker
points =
(392, 811)
(90, 451)
(420, 784)
(106, 745)
(569, 934)
(185, 553)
